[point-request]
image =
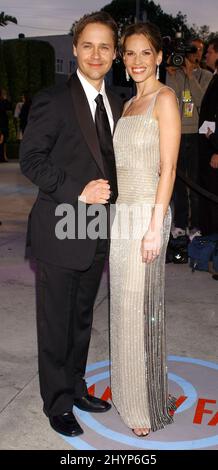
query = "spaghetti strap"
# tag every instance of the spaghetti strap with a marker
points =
(150, 108)
(128, 103)
(149, 111)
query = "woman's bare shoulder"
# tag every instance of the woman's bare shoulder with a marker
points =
(166, 96)
(166, 104)
(166, 91)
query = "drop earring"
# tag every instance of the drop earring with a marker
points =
(158, 72)
(127, 76)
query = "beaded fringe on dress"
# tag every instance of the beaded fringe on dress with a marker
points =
(160, 403)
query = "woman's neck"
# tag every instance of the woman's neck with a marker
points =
(146, 88)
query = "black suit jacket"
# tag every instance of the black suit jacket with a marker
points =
(209, 112)
(60, 153)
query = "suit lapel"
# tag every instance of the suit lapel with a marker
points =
(85, 120)
(211, 85)
(209, 93)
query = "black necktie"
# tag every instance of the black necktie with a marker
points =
(106, 146)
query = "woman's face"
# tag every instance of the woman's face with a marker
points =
(140, 58)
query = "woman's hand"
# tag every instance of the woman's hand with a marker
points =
(151, 245)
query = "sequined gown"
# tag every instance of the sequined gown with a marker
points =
(138, 350)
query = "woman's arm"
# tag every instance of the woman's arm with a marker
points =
(167, 113)
(168, 117)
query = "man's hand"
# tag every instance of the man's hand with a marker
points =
(209, 132)
(188, 67)
(214, 161)
(171, 70)
(96, 192)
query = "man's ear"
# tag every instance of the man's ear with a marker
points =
(74, 51)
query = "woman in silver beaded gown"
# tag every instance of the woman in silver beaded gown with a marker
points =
(146, 143)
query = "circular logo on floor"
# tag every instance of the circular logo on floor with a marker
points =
(195, 384)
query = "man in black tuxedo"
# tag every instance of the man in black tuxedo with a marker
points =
(208, 174)
(67, 152)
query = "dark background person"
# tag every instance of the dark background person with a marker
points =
(5, 106)
(2, 159)
(63, 154)
(24, 112)
(190, 82)
(17, 111)
(208, 175)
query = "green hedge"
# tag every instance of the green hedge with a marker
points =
(29, 65)
(3, 74)
(12, 150)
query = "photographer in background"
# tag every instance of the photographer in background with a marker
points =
(208, 145)
(190, 82)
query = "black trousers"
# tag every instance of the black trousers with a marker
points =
(186, 203)
(208, 209)
(65, 300)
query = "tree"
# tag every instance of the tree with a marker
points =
(30, 66)
(124, 14)
(3, 74)
(5, 19)
(203, 32)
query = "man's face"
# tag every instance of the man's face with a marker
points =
(211, 57)
(196, 57)
(95, 52)
(140, 58)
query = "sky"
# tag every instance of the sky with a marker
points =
(51, 17)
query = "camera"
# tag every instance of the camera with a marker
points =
(177, 50)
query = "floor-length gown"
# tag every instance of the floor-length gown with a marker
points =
(138, 350)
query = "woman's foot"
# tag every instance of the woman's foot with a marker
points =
(141, 432)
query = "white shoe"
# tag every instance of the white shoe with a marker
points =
(178, 232)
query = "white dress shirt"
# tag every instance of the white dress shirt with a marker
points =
(91, 94)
